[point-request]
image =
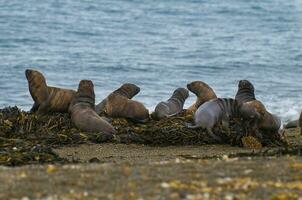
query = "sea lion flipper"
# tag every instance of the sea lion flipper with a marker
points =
(191, 126)
(215, 137)
(43, 108)
(34, 108)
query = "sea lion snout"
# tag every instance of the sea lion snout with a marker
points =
(248, 112)
(28, 73)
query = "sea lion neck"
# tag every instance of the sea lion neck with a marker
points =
(85, 93)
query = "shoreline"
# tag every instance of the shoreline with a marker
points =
(132, 171)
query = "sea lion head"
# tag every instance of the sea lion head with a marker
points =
(128, 90)
(200, 88)
(37, 85)
(85, 92)
(34, 75)
(248, 111)
(245, 84)
(181, 93)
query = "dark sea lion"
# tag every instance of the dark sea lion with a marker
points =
(47, 99)
(215, 111)
(246, 92)
(203, 92)
(292, 124)
(173, 105)
(119, 104)
(82, 110)
(246, 96)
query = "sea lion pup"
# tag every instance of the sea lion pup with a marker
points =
(203, 92)
(119, 104)
(213, 112)
(127, 90)
(82, 111)
(47, 99)
(173, 105)
(246, 92)
(246, 96)
(292, 124)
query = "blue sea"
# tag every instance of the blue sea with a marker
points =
(159, 45)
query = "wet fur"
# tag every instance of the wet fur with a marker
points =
(173, 105)
(82, 111)
(203, 92)
(120, 104)
(47, 99)
(246, 96)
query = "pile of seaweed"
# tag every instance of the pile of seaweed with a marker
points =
(26, 138)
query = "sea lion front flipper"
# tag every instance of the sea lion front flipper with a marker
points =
(34, 108)
(43, 108)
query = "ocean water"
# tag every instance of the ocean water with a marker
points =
(159, 45)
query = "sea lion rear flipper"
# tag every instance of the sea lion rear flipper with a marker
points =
(215, 137)
(191, 126)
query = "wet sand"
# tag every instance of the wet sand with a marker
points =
(122, 171)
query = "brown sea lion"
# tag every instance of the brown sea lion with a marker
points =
(203, 92)
(246, 96)
(127, 90)
(82, 110)
(173, 105)
(47, 99)
(119, 104)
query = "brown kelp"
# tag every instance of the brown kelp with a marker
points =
(27, 138)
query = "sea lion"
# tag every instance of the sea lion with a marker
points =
(173, 105)
(127, 90)
(82, 111)
(47, 99)
(119, 104)
(246, 92)
(246, 96)
(203, 92)
(213, 112)
(292, 124)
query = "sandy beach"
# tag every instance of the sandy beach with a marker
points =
(131, 171)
